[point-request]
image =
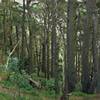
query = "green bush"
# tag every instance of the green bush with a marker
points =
(78, 87)
(7, 83)
(2, 68)
(13, 65)
(20, 81)
(48, 84)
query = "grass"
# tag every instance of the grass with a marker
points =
(4, 96)
(43, 96)
(33, 93)
(81, 94)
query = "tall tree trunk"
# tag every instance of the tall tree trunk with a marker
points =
(17, 39)
(70, 45)
(23, 33)
(30, 58)
(85, 58)
(70, 74)
(92, 10)
(53, 37)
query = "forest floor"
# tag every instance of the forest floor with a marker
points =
(13, 93)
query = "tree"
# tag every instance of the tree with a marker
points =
(71, 71)
(70, 74)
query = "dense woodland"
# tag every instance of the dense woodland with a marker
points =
(50, 45)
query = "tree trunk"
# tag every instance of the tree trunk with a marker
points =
(70, 45)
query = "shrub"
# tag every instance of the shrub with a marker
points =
(48, 84)
(78, 86)
(13, 65)
(20, 81)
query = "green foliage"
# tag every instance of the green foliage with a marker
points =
(7, 84)
(82, 94)
(16, 78)
(4, 96)
(48, 84)
(49, 93)
(13, 65)
(36, 8)
(2, 68)
(20, 81)
(78, 86)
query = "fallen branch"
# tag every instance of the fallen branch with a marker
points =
(12, 53)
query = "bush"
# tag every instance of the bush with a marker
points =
(13, 65)
(20, 81)
(48, 84)
(2, 68)
(7, 84)
(78, 87)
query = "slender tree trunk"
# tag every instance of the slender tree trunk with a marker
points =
(17, 39)
(70, 45)
(23, 33)
(92, 23)
(53, 37)
(85, 58)
(30, 58)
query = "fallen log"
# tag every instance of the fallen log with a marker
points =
(34, 83)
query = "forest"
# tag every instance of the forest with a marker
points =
(49, 49)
